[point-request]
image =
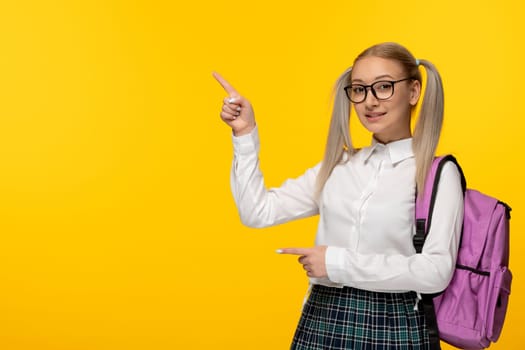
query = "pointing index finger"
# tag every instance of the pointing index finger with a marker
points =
(294, 251)
(225, 85)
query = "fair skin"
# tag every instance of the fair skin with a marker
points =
(388, 120)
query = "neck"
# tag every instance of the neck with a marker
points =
(386, 139)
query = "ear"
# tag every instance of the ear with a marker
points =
(415, 92)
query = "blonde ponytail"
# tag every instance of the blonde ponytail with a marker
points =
(339, 141)
(429, 124)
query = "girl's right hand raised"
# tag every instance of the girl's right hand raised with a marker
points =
(237, 111)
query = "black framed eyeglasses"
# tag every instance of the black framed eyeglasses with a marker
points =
(382, 90)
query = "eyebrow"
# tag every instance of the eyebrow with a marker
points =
(375, 79)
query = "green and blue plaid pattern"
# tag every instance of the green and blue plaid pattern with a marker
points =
(349, 318)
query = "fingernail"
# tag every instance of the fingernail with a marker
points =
(239, 108)
(231, 100)
(279, 251)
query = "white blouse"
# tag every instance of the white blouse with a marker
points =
(366, 216)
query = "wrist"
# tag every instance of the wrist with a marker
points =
(243, 131)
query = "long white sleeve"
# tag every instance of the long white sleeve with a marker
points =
(259, 207)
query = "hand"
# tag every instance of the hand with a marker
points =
(237, 111)
(312, 259)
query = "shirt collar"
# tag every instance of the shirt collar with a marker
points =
(397, 150)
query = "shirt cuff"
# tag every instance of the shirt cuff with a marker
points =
(334, 261)
(247, 143)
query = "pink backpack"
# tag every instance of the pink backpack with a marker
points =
(470, 312)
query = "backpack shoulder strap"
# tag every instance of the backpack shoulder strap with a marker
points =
(425, 201)
(424, 206)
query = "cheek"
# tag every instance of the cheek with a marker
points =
(405, 108)
(401, 105)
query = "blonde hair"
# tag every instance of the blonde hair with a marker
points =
(429, 121)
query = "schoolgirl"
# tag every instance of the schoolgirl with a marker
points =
(365, 274)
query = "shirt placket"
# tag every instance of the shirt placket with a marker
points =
(377, 162)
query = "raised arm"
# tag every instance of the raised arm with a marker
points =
(257, 205)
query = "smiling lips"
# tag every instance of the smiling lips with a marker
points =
(374, 115)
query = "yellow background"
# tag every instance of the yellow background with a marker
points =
(117, 226)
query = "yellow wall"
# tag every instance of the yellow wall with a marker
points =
(117, 227)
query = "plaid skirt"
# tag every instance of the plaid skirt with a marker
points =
(350, 318)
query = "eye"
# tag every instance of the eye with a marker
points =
(382, 86)
(358, 89)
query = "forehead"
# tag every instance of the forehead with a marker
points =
(371, 68)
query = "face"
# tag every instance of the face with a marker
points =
(388, 120)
